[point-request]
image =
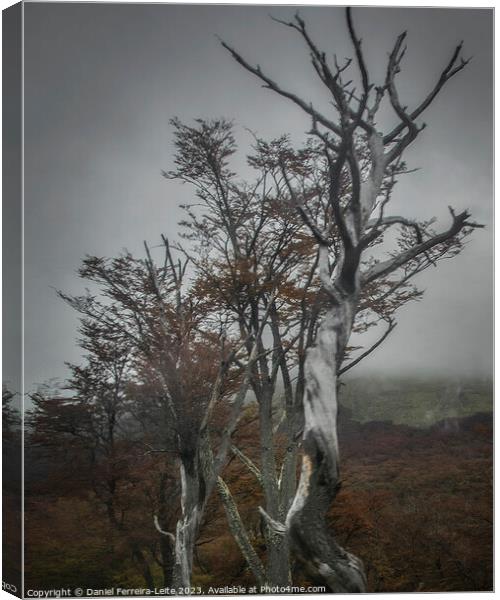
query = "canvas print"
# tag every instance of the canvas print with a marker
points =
(248, 291)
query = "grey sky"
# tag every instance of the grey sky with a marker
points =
(102, 82)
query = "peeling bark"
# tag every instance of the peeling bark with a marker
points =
(322, 556)
(188, 525)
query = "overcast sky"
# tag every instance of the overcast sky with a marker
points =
(102, 82)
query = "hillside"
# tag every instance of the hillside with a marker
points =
(416, 401)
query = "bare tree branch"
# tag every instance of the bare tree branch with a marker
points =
(171, 536)
(448, 72)
(362, 356)
(269, 83)
(459, 222)
(248, 462)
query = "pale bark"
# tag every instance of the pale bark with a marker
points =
(188, 525)
(166, 493)
(319, 480)
(240, 534)
(278, 560)
(199, 472)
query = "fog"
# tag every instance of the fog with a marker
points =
(102, 82)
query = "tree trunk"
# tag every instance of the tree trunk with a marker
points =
(279, 567)
(167, 549)
(143, 566)
(239, 533)
(319, 482)
(192, 499)
(278, 560)
(167, 541)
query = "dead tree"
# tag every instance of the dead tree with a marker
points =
(249, 241)
(359, 219)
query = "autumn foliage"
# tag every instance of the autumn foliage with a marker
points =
(415, 504)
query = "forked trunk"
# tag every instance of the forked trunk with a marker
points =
(278, 560)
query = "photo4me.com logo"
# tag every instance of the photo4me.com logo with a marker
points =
(179, 591)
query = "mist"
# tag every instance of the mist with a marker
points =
(102, 82)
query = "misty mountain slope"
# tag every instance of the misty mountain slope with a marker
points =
(415, 401)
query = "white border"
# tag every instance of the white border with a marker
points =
(387, 3)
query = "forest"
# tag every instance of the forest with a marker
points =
(416, 505)
(218, 434)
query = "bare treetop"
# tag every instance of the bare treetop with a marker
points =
(362, 165)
